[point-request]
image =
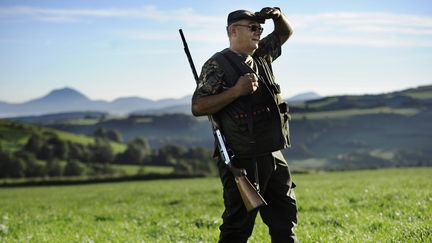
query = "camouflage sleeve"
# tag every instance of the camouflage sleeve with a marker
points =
(269, 47)
(210, 80)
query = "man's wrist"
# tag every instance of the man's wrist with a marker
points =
(279, 15)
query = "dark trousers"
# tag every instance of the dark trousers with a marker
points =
(280, 215)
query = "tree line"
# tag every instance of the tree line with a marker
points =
(47, 155)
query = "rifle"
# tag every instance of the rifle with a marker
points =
(252, 199)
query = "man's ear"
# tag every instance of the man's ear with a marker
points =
(232, 31)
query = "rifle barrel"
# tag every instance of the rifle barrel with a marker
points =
(186, 49)
(215, 126)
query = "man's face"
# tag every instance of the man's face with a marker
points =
(247, 34)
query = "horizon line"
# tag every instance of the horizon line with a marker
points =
(190, 95)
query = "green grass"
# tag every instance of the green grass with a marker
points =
(391, 205)
(120, 171)
(354, 112)
(423, 95)
(82, 121)
(322, 102)
(14, 135)
(83, 139)
(147, 169)
(67, 136)
(309, 164)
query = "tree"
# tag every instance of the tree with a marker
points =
(200, 153)
(34, 143)
(11, 166)
(60, 148)
(73, 168)
(53, 168)
(110, 134)
(46, 152)
(196, 160)
(195, 167)
(79, 152)
(102, 151)
(173, 150)
(114, 135)
(136, 152)
(5, 159)
(34, 168)
(17, 168)
(100, 132)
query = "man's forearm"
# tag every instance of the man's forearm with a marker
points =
(282, 28)
(211, 104)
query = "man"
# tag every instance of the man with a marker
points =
(237, 88)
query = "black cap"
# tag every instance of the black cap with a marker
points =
(244, 14)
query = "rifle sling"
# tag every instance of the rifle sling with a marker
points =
(238, 65)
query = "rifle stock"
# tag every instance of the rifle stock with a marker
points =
(250, 196)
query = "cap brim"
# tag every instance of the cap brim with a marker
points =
(258, 19)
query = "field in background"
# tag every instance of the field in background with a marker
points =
(147, 169)
(345, 132)
(388, 205)
(346, 113)
(13, 136)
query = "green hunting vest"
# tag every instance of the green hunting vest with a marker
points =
(255, 124)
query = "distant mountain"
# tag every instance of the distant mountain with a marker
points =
(67, 100)
(3, 104)
(70, 100)
(65, 95)
(337, 132)
(303, 97)
(131, 101)
(186, 108)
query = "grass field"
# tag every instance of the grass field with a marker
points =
(345, 113)
(14, 135)
(148, 169)
(391, 205)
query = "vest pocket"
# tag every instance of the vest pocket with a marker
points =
(267, 133)
(283, 107)
(285, 119)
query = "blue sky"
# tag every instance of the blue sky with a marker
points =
(111, 49)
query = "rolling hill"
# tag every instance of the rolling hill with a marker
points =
(70, 100)
(338, 132)
(14, 135)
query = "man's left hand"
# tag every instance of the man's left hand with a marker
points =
(270, 13)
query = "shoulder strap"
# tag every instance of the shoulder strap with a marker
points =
(239, 65)
(233, 64)
(231, 72)
(241, 68)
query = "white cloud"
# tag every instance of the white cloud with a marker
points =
(363, 28)
(206, 36)
(364, 18)
(360, 41)
(377, 29)
(185, 15)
